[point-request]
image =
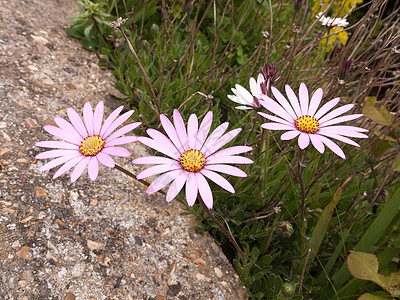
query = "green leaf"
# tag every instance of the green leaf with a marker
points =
(369, 296)
(323, 222)
(397, 164)
(365, 266)
(378, 115)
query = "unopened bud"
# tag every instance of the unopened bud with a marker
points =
(188, 6)
(344, 69)
(154, 29)
(297, 5)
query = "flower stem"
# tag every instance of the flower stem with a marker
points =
(130, 174)
(223, 229)
(153, 94)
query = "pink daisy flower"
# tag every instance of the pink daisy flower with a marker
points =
(86, 143)
(304, 119)
(193, 157)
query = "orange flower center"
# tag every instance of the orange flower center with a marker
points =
(192, 161)
(307, 124)
(91, 145)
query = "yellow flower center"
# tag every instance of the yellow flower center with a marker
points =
(91, 145)
(192, 160)
(307, 124)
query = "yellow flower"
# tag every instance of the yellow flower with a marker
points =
(339, 35)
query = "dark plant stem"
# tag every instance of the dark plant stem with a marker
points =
(130, 174)
(304, 269)
(223, 229)
(146, 78)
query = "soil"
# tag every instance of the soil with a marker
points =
(85, 240)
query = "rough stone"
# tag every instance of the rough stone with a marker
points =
(43, 71)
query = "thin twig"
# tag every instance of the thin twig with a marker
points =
(223, 229)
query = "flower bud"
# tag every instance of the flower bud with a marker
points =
(154, 29)
(285, 229)
(344, 69)
(288, 289)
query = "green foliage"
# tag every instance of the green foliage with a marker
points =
(365, 266)
(192, 54)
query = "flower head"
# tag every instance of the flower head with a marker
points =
(331, 22)
(86, 143)
(193, 157)
(304, 119)
(242, 96)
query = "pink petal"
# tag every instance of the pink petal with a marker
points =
(331, 145)
(162, 181)
(289, 135)
(180, 129)
(283, 102)
(160, 147)
(58, 161)
(193, 128)
(105, 159)
(304, 140)
(293, 100)
(303, 95)
(176, 186)
(218, 179)
(344, 128)
(326, 107)
(214, 136)
(191, 189)
(77, 122)
(344, 131)
(55, 153)
(225, 139)
(123, 130)
(93, 168)
(98, 118)
(204, 129)
(276, 126)
(164, 141)
(80, 167)
(68, 165)
(338, 137)
(230, 151)
(111, 118)
(234, 159)
(68, 129)
(57, 144)
(275, 119)
(336, 112)
(204, 190)
(155, 170)
(88, 118)
(226, 169)
(121, 140)
(116, 151)
(119, 121)
(58, 132)
(149, 160)
(341, 119)
(171, 132)
(317, 143)
(315, 101)
(274, 107)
